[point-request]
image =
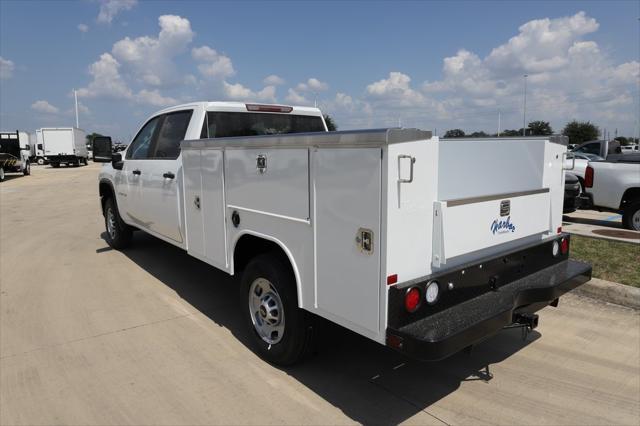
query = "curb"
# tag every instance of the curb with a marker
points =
(611, 292)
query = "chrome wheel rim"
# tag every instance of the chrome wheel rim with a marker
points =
(265, 308)
(1, 173)
(111, 223)
(635, 220)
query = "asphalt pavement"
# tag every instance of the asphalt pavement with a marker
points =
(93, 336)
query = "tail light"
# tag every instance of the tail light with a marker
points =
(412, 299)
(564, 245)
(588, 177)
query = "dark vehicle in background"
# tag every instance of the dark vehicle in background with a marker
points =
(572, 190)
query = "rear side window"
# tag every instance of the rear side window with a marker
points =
(139, 148)
(231, 124)
(171, 133)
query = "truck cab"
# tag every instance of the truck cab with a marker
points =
(147, 181)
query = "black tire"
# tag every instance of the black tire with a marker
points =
(118, 233)
(631, 216)
(296, 338)
(40, 161)
(27, 169)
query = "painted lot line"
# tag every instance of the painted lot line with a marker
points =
(90, 335)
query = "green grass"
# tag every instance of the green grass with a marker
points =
(611, 260)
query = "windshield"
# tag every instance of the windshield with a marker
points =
(230, 124)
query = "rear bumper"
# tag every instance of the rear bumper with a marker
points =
(449, 331)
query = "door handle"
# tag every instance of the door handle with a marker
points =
(168, 175)
(137, 172)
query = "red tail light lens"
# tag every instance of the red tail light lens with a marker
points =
(588, 177)
(268, 108)
(564, 245)
(412, 299)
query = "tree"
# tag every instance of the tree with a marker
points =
(331, 124)
(623, 141)
(511, 133)
(90, 138)
(479, 134)
(539, 128)
(580, 131)
(455, 133)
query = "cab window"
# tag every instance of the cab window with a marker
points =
(172, 131)
(139, 148)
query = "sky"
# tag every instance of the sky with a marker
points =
(433, 65)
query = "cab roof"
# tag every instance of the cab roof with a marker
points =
(242, 107)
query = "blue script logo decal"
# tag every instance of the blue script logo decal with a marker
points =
(500, 226)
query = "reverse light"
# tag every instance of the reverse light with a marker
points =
(564, 245)
(555, 250)
(268, 108)
(412, 299)
(432, 292)
(588, 177)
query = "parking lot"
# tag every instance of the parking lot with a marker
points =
(89, 335)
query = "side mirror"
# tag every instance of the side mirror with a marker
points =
(102, 149)
(27, 147)
(116, 161)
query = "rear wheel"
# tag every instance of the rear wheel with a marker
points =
(118, 233)
(278, 328)
(631, 216)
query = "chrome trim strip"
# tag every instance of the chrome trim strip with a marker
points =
(472, 200)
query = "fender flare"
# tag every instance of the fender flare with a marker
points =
(280, 244)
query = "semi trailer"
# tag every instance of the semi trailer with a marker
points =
(399, 236)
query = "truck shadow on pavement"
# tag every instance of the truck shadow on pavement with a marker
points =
(368, 382)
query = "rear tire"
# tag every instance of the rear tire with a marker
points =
(118, 233)
(278, 328)
(631, 216)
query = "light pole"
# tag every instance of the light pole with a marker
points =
(524, 109)
(499, 124)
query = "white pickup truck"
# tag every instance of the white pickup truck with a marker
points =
(614, 185)
(391, 233)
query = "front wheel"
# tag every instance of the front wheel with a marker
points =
(278, 328)
(631, 216)
(118, 233)
(40, 161)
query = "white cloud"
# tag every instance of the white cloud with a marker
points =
(312, 85)
(110, 8)
(107, 81)
(238, 92)
(83, 28)
(6, 68)
(151, 59)
(396, 88)
(273, 80)
(154, 98)
(296, 98)
(44, 107)
(212, 64)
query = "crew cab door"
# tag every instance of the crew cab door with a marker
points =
(162, 176)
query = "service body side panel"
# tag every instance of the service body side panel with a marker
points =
(347, 194)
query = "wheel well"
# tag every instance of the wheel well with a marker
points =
(250, 246)
(629, 196)
(106, 191)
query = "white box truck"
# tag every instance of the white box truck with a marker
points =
(64, 145)
(423, 245)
